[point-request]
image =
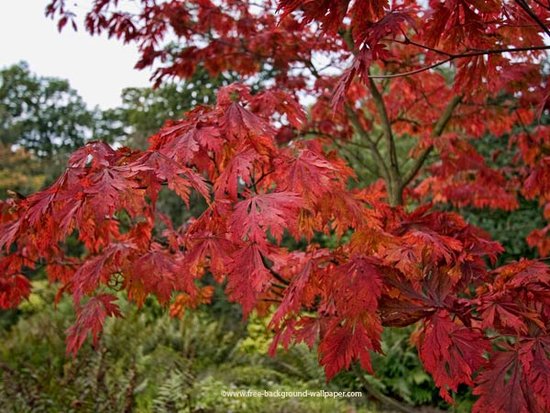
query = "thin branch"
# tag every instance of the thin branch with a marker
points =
(406, 120)
(446, 116)
(437, 131)
(394, 182)
(390, 172)
(275, 274)
(459, 56)
(412, 72)
(523, 4)
(355, 155)
(422, 46)
(276, 293)
(372, 146)
(278, 277)
(270, 300)
(409, 176)
(264, 174)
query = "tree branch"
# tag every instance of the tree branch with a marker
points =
(355, 155)
(523, 4)
(437, 131)
(380, 163)
(456, 56)
(394, 183)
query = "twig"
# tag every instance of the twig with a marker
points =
(437, 131)
(458, 56)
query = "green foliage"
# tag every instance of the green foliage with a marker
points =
(42, 120)
(20, 171)
(399, 372)
(149, 362)
(45, 115)
(510, 228)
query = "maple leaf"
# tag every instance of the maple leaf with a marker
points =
(239, 167)
(304, 330)
(208, 244)
(210, 249)
(247, 276)
(341, 345)
(360, 67)
(182, 142)
(451, 353)
(292, 299)
(271, 212)
(113, 188)
(241, 123)
(503, 315)
(94, 154)
(183, 301)
(90, 319)
(271, 101)
(180, 178)
(367, 10)
(39, 204)
(13, 289)
(329, 12)
(308, 174)
(359, 286)
(8, 233)
(406, 258)
(516, 381)
(99, 268)
(523, 273)
(438, 246)
(155, 272)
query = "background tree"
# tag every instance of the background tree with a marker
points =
(260, 178)
(45, 119)
(43, 115)
(144, 110)
(20, 172)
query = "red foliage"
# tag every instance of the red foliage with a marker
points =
(451, 71)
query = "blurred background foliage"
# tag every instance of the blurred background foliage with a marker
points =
(147, 361)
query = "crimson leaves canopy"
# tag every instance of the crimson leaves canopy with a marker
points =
(435, 76)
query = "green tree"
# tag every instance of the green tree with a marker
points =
(42, 120)
(45, 115)
(144, 110)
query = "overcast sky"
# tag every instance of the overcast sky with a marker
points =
(97, 67)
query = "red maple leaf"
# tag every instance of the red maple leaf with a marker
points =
(90, 319)
(271, 212)
(451, 353)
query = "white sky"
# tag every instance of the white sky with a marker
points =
(97, 67)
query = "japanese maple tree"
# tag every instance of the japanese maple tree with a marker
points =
(377, 76)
